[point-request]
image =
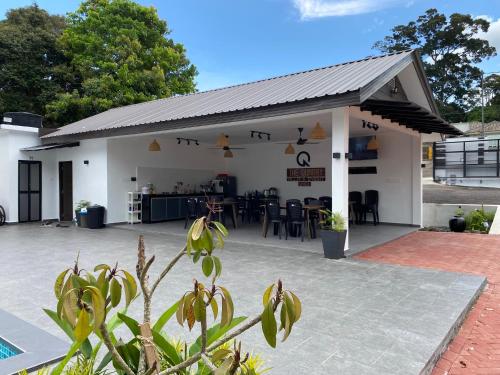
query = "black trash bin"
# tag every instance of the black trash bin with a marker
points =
(95, 217)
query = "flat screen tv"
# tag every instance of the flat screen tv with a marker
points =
(358, 148)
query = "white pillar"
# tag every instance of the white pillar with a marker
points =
(340, 164)
(416, 174)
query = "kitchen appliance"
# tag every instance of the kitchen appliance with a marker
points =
(226, 185)
(273, 192)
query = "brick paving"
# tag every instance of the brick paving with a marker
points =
(476, 348)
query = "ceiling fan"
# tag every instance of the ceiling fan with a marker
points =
(301, 141)
(223, 144)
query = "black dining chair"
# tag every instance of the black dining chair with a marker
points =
(241, 207)
(274, 217)
(191, 212)
(326, 201)
(294, 219)
(314, 216)
(371, 205)
(253, 208)
(356, 205)
(307, 200)
(202, 208)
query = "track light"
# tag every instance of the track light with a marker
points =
(188, 141)
(178, 141)
(369, 125)
(260, 134)
(197, 143)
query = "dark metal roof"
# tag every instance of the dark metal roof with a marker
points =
(410, 115)
(335, 81)
(50, 146)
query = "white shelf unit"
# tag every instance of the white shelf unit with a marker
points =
(134, 207)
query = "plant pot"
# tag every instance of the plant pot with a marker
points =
(457, 224)
(333, 243)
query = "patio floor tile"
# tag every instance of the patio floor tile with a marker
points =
(476, 348)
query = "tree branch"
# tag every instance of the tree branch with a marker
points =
(167, 269)
(208, 362)
(114, 353)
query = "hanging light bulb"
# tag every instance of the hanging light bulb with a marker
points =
(372, 144)
(222, 141)
(154, 146)
(318, 132)
(228, 153)
(289, 150)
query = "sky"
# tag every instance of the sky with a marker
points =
(232, 42)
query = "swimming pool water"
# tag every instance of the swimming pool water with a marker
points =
(7, 350)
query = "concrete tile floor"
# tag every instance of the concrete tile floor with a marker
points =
(361, 236)
(358, 317)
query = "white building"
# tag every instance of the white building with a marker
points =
(385, 98)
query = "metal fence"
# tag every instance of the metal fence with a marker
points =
(466, 159)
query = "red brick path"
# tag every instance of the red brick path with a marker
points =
(476, 348)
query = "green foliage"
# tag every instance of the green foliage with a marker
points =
(85, 300)
(479, 220)
(491, 87)
(82, 204)
(118, 53)
(332, 221)
(459, 212)
(28, 78)
(451, 49)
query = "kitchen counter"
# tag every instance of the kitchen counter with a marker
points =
(165, 207)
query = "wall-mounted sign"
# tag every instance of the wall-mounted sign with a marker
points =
(305, 174)
(304, 183)
(303, 159)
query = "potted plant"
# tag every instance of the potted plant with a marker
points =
(333, 234)
(457, 222)
(81, 220)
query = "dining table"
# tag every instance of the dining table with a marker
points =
(221, 206)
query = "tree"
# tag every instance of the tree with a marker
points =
(86, 300)
(491, 87)
(119, 54)
(450, 50)
(27, 59)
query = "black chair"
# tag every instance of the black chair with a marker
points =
(191, 212)
(308, 200)
(202, 208)
(356, 205)
(314, 216)
(326, 202)
(371, 205)
(289, 201)
(274, 217)
(294, 219)
(241, 207)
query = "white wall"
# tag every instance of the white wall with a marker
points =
(126, 155)
(396, 175)
(89, 181)
(264, 165)
(13, 138)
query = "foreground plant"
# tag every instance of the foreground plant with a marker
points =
(86, 301)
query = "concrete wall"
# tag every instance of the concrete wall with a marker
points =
(438, 215)
(13, 138)
(398, 178)
(126, 155)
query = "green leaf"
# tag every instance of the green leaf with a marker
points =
(218, 266)
(198, 227)
(116, 292)
(100, 267)
(180, 311)
(215, 307)
(220, 239)
(214, 333)
(105, 361)
(224, 367)
(83, 327)
(103, 283)
(227, 307)
(197, 256)
(220, 354)
(297, 305)
(267, 294)
(165, 317)
(269, 327)
(221, 228)
(131, 323)
(133, 284)
(72, 351)
(207, 265)
(58, 285)
(168, 350)
(290, 308)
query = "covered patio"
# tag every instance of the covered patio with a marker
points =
(337, 132)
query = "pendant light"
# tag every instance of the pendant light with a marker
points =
(372, 144)
(228, 153)
(222, 141)
(289, 150)
(154, 146)
(318, 132)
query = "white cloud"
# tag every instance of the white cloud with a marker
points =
(493, 34)
(310, 9)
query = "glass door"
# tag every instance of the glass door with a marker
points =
(30, 191)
